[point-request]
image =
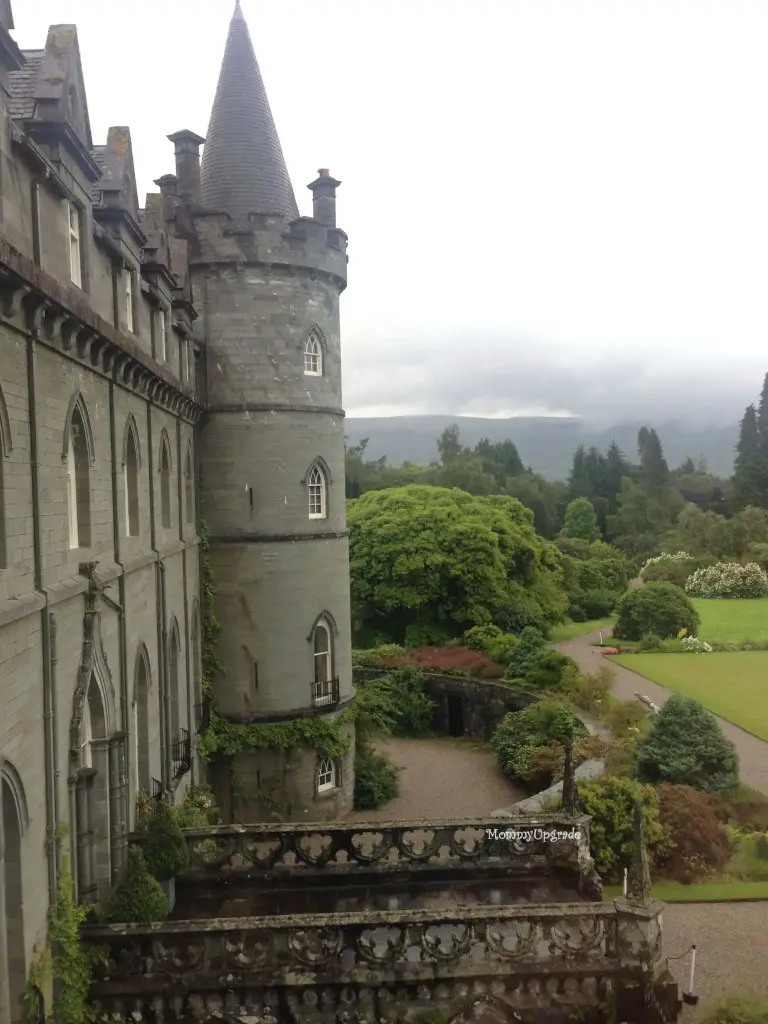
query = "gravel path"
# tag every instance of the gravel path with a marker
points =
(442, 778)
(731, 949)
(753, 753)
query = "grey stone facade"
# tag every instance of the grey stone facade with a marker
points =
(119, 325)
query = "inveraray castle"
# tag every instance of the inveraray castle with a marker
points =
(162, 358)
(172, 457)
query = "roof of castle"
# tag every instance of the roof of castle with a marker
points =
(243, 169)
(21, 84)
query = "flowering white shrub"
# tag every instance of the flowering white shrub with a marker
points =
(696, 646)
(678, 556)
(728, 579)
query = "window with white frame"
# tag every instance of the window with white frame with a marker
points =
(316, 492)
(129, 300)
(326, 775)
(161, 344)
(313, 356)
(323, 657)
(75, 255)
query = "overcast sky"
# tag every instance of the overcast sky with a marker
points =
(556, 206)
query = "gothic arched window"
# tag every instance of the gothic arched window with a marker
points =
(165, 484)
(317, 494)
(326, 775)
(131, 483)
(78, 480)
(313, 354)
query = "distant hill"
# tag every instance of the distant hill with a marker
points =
(545, 443)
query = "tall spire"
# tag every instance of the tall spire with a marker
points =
(243, 170)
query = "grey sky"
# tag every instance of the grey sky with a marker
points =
(552, 206)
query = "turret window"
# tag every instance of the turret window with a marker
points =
(313, 355)
(75, 255)
(326, 775)
(317, 492)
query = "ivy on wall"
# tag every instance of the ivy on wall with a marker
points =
(225, 739)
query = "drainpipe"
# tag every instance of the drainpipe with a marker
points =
(182, 521)
(49, 734)
(122, 782)
(159, 598)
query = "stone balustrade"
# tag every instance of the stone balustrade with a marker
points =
(345, 848)
(565, 956)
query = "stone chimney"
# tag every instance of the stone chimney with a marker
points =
(187, 151)
(323, 191)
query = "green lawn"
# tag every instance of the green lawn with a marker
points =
(723, 620)
(733, 684)
(706, 892)
(569, 630)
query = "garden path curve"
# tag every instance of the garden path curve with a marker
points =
(753, 752)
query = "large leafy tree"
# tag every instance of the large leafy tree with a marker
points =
(638, 521)
(446, 558)
(686, 745)
(658, 608)
(580, 521)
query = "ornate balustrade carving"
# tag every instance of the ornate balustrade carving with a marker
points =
(567, 954)
(346, 848)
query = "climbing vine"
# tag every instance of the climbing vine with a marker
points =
(65, 961)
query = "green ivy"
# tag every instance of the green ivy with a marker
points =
(65, 962)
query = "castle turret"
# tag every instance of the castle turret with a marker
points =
(272, 450)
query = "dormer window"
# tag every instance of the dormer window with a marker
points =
(129, 300)
(75, 255)
(162, 340)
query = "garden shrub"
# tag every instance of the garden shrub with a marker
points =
(548, 761)
(659, 608)
(737, 1009)
(665, 558)
(597, 604)
(549, 670)
(649, 643)
(531, 642)
(611, 803)
(626, 718)
(413, 709)
(138, 899)
(589, 690)
(686, 745)
(521, 732)
(422, 634)
(676, 573)
(729, 579)
(491, 640)
(199, 809)
(460, 661)
(165, 849)
(698, 841)
(377, 780)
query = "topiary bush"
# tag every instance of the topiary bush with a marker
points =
(521, 732)
(659, 608)
(685, 745)
(549, 670)
(698, 840)
(729, 579)
(165, 850)
(611, 803)
(531, 643)
(138, 899)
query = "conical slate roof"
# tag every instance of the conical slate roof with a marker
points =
(243, 170)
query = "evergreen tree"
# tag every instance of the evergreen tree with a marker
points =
(749, 475)
(615, 470)
(687, 467)
(654, 472)
(581, 521)
(762, 416)
(500, 458)
(579, 483)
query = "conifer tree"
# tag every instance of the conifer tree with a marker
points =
(616, 469)
(654, 472)
(749, 476)
(579, 484)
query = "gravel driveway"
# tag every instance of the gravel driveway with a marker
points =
(443, 778)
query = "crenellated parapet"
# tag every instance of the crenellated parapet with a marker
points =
(303, 245)
(35, 303)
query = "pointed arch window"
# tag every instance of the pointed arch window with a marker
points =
(326, 775)
(313, 354)
(78, 481)
(317, 493)
(5, 451)
(165, 484)
(173, 685)
(131, 483)
(189, 487)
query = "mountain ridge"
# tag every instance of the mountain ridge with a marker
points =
(545, 443)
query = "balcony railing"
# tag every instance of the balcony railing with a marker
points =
(564, 958)
(181, 754)
(156, 789)
(325, 694)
